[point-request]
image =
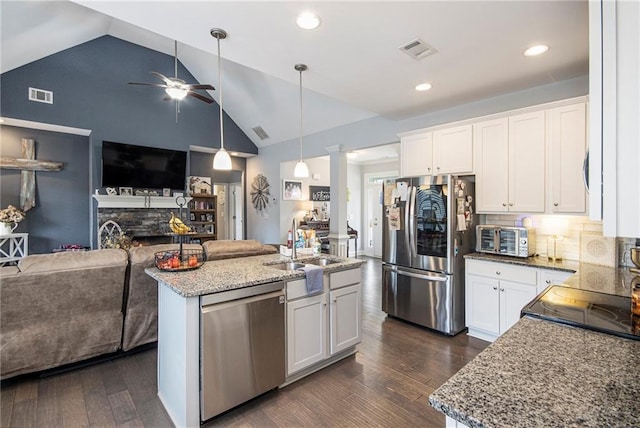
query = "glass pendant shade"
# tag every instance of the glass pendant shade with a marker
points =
(222, 160)
(301, 170)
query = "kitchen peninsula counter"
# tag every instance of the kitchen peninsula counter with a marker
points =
(229, 274)
(540, 374)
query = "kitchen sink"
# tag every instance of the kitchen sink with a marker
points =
(286, 265)
(321, 261)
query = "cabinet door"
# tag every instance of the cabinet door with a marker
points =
(416, 155)
(513, 297)
(482, 309)
(547, 277)
(453, 150)
(306, 332)
(527, 162)
(567, 139)
(346, 330)
(492, 165)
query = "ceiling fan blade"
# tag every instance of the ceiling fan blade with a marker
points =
(149, 84)
(200, 87)
(162, 77)
(200, 97)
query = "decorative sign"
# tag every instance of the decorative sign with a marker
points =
(320, 193)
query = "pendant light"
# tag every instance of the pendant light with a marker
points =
(301, 170)
(221, 160)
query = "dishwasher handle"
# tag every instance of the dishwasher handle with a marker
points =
(218, 306)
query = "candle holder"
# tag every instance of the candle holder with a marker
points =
(555, 248)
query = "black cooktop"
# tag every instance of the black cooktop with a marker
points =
(602, 312)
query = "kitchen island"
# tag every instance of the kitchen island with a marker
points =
(181, 302)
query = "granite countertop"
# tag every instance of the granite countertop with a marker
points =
(604, 279)
(223, 275)
(541, 373)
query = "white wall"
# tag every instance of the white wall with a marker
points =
(378, 131)
(355, 202)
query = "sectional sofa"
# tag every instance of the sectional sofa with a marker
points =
(62, 308)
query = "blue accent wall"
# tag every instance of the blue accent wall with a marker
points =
(91, 91)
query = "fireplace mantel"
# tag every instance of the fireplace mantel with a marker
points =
(117, 201)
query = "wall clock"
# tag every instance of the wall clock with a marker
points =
(260, 193)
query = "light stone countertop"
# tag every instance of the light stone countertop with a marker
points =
(587, 276)
(229, 274)
(541, 374)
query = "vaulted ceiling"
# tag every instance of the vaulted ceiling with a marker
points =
(355, 67)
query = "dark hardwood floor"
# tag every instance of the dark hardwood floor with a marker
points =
(387, 383)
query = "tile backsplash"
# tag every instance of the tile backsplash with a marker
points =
(570, 227)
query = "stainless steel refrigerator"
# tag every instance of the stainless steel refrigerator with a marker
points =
(429, 225)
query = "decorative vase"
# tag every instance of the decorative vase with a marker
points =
(7, 228)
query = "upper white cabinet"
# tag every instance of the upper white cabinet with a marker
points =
(453, 150)
(415, 155)
(614, 55)
(510, 164)
(567, 142)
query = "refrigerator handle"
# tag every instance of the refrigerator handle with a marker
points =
(412, 221)
(407, 224)
(414, 274)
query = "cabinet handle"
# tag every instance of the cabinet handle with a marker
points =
(324, 304)
(511, 204)
(548, 281)
(428, 169)
(335, 300)
(504, 204)
(438, 168)
(502, 289)
(555, 204)
(495, 288)
(497, 272)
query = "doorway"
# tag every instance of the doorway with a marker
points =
(374, 212)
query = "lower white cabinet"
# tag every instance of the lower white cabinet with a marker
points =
(495, 293)
(325, 324)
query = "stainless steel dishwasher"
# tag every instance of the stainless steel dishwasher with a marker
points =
(242, 346)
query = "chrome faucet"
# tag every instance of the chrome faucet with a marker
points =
(294, 254)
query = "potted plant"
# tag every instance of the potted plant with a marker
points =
(9, 219)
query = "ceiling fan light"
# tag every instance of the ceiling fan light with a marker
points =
(222, 160)
(176, 93)
(301, 170)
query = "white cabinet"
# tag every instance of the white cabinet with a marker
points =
(415, 155)
(453, 150)
(492, 165)
(346, 330)
(324, 325)
(547, 277)
(444, 151)
(510, 164)
(495, 293)
(306, 332)
(527, 162)
(567, 142)
(614, 55)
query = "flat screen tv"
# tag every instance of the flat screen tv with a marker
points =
(142, 167)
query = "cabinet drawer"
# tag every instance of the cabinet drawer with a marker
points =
(503, 271)
(344, 278)
(298, 288)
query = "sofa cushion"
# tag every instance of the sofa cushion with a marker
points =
(71, 260)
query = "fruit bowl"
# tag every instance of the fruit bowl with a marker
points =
(177, 261)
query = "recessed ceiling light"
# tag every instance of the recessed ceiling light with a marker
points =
(234, 153)
(352, 155)
(308, 21)
(423, 87)
(536, 50)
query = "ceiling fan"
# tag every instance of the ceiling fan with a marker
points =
(175, 88)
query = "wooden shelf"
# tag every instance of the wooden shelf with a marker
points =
(202, 216)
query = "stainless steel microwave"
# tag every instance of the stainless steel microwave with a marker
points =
(506, 241)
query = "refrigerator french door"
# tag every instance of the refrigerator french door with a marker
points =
(428, 226)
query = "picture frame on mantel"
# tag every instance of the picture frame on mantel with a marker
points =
(291, 190)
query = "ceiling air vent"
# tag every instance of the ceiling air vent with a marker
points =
(417, 49)
(40, 95)
(260, 132)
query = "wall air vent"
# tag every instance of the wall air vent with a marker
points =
(417, 49)
(260, 132)
(40, 95)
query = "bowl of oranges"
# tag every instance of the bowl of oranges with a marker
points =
(176, 260)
